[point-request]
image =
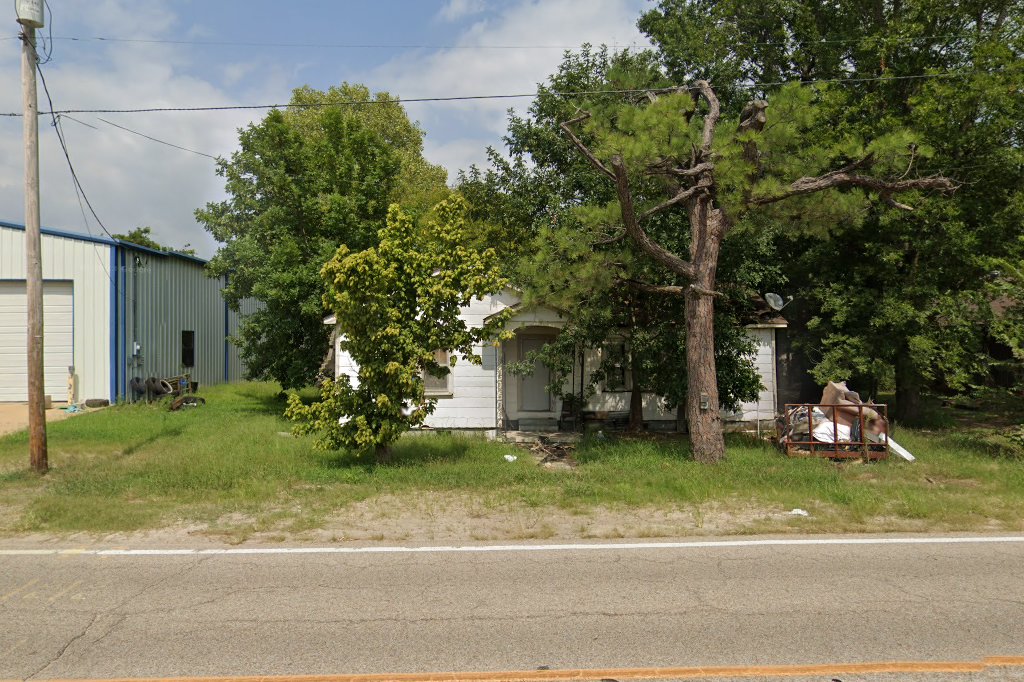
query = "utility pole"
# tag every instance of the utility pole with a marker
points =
(30, 16)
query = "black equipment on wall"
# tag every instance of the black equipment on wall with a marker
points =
(188, 348)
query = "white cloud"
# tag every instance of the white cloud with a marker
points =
(454, 10)
(132, 181)
(129, 180)
(462, 71)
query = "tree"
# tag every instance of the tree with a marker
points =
(143, 236)
(720, 176)
(545, 209)
(397, 304)
(913, 305)
(306, 180)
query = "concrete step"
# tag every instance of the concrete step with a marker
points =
(540, 424)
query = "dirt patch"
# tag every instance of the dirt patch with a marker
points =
(14, 417)
(445, 520)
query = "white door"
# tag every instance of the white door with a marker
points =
(58, 334)
(533, 388)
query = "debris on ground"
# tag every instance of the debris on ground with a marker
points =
(510, 458)
(840, 426)
(799, 512)
(186, 401)
(554, 456)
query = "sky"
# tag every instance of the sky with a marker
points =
(410, 48)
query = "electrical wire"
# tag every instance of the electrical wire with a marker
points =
(169, 144)
(394, 46)
(524, 95)
(64, 147)
(47, 44)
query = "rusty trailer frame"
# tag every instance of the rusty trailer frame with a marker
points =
(852, 449)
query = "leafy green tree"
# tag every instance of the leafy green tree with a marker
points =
(889, 297)
(538, 208)
(143, 236)
(397, 304)
(720, 173)
(305, 181)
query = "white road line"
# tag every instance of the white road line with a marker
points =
(606, 547)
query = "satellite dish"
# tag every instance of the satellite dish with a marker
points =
(775, 301)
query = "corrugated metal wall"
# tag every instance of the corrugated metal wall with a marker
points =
(88, 266)
(161, 296)
(236, 368)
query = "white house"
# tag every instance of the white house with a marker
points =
(112, 310)
(488, 397)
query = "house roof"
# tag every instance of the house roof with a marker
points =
(64, 234)
(764, 316)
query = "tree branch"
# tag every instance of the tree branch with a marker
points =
(596, 162)
(711, 118)
(665, 168)
(611, 240)
(845, 178)
(637, 233)
(667, 289)
(680, 196)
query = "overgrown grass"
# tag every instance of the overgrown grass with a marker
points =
(140, 467)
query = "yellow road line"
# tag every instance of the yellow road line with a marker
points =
(709, 672)
(7, 595)
(61, 593)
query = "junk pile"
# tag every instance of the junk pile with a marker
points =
(554, 455)
(181, 388)
(841, 426)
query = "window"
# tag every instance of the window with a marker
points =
(614, 361)
(438, 387)
(188, 348)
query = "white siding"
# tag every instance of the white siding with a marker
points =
(473, 402)
(86, 266)
(762, 409)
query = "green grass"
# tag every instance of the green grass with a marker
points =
(232, 467)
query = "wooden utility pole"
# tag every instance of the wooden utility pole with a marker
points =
(33, 256)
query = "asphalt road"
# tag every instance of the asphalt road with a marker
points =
(90, 616)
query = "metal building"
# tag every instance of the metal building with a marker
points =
(113, 310)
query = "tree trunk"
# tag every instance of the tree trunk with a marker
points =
(383, 453)
(636, 407)
(703, 415)
(907, 409)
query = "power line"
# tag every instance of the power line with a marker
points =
(79, 191)
(354, 46)
(64, 147)
(427, 46)
(148, 137)
(524, 95)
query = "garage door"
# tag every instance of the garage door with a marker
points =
(58, 332)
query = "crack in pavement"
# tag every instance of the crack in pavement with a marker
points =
(60, 652)
(114, 610)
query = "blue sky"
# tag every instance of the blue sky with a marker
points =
(132, 181)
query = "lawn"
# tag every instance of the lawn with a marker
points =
(232, 471)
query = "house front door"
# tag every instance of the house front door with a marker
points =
(533, 388)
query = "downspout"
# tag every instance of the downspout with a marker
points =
(113, 324)
(226, 330)
(124, 325)
(135, 311)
